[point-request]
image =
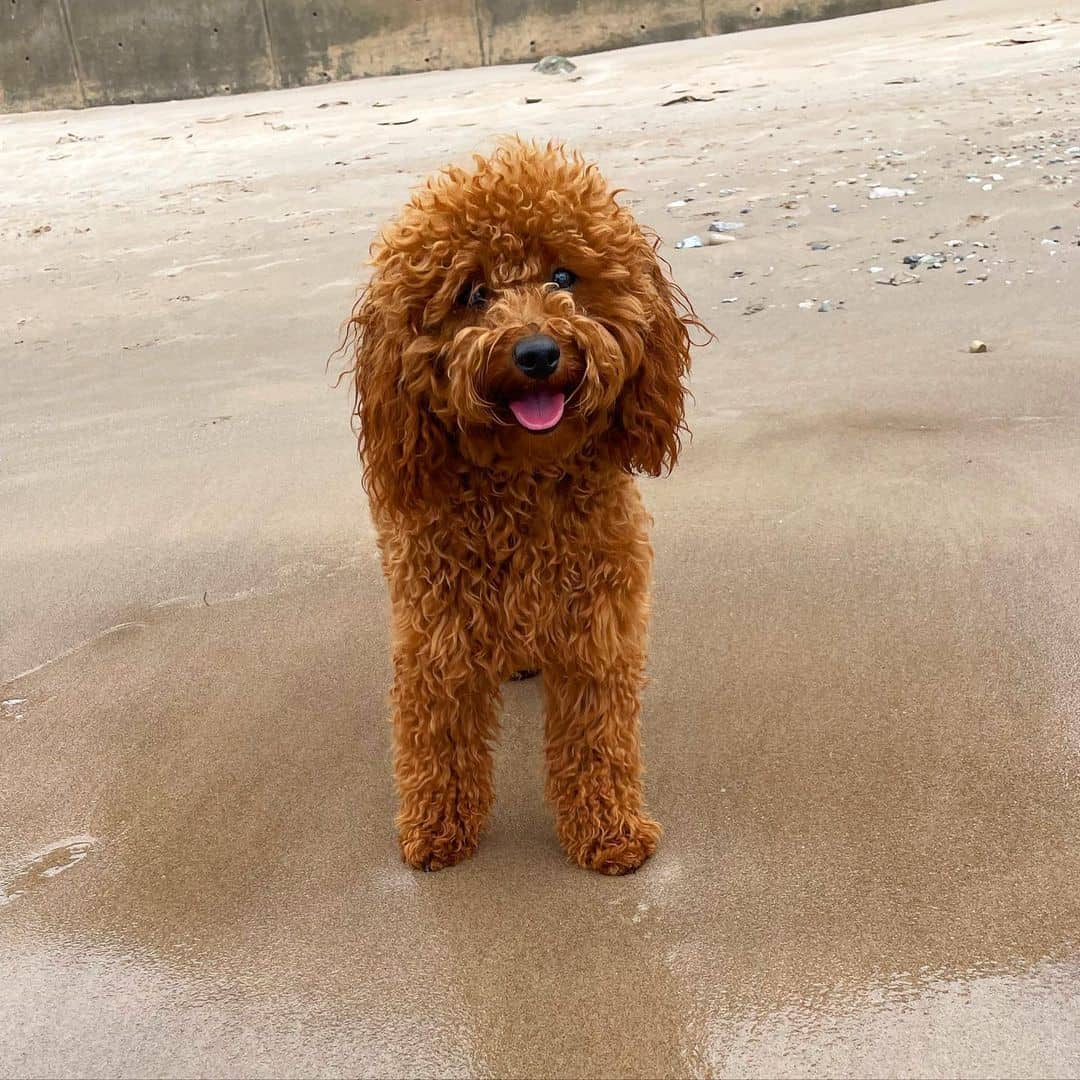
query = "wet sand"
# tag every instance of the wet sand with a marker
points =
(861, 729)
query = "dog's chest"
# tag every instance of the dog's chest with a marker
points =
(530, 563)
(540, 567)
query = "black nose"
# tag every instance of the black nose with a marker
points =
(537, 356)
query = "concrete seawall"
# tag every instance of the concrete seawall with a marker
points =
(75, 53)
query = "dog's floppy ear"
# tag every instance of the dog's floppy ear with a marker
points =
(402, 445)
(649, 415)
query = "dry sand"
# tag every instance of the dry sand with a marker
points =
(862, 729)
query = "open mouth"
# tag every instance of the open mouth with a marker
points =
(539, 410)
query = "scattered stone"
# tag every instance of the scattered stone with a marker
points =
(690, 242)
(820, 245)
(725, 226)
(754, 307)
(825, 306)
(806, 305)
(900, 279)
(555, 65)
(889, 193)
(922, 260)
(977, 347)
(1006, 42)
(713, 239)
(684, 99)
(729, 299)
(676, 203)
(877, 269)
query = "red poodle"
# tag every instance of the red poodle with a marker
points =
(519, 355)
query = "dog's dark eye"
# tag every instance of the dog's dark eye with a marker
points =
(562, 278)
(473, 296)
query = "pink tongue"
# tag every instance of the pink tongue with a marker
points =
(539, 410)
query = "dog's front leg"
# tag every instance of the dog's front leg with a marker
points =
(444, 723)
(594, 767)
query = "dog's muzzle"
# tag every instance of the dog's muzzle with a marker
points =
(539, 409)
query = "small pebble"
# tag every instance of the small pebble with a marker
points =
(977, 347)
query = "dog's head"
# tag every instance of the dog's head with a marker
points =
(517, 317)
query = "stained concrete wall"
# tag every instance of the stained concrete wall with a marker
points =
(71, 53)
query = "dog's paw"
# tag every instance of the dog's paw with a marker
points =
(435, 848)
(614, 851)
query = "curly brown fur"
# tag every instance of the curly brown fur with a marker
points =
(506, 549)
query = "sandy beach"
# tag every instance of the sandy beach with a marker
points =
(862, 725)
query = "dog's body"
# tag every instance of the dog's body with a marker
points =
(498, 438)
